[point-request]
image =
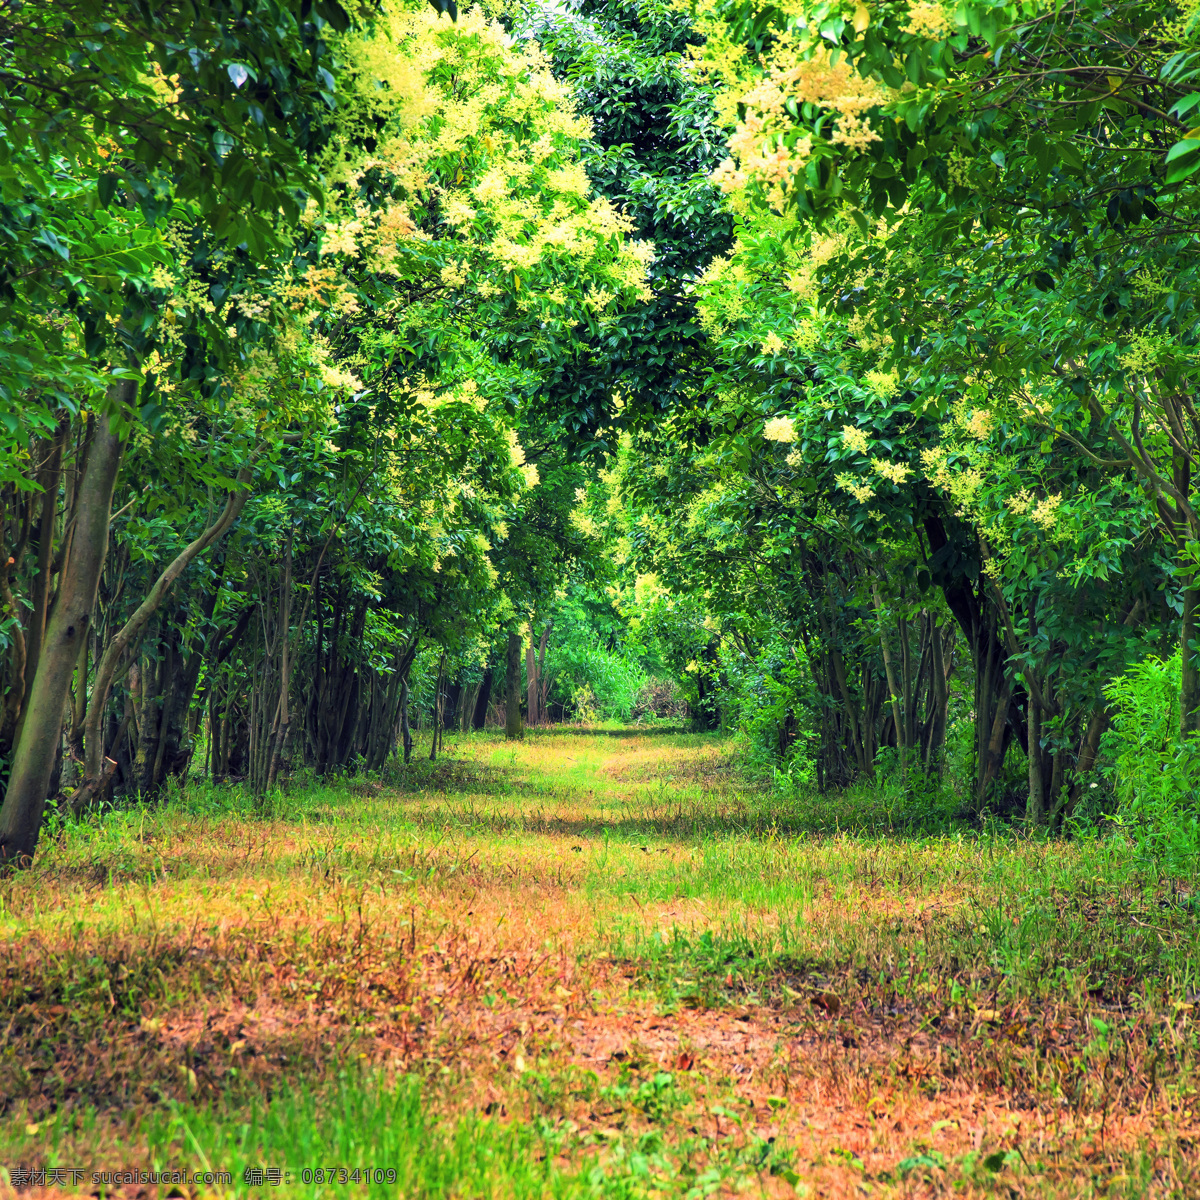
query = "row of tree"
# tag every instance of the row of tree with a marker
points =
(949, 424)
(303, 323)
(847, 356)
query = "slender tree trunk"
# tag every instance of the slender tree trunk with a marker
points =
(48, 480)
(543, 687)
(15, 700)
(1035, 809)
(898, 716)
(437, 707)
(531, 680)
(282, 717)
(1189, 692)
(479, 716)
(512, 703)
(70, 621)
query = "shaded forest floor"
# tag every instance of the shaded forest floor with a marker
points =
(593, 963)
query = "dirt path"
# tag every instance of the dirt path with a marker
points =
(613, 939)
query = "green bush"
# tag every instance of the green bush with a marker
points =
(593, 682)
(772, 702)
(1155, 774)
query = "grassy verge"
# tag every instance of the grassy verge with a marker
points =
(591, 963)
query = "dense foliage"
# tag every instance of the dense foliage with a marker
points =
(824, 373)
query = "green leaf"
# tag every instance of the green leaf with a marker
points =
(1187, 146)
(1184, 159)
(1070, 156)
(1182, 107)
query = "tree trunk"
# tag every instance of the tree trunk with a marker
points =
(531, 680)
(898, 716)
(939, 700)
(479, 716)
(48, 479)
(512, 702)
(976, 618)
(405, 730)
(283, 721)
(543, 682)
(992, 757)
(1189, 692)
(437, 707)
(70, 621)
(1035, 809)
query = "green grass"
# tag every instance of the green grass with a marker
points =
(599, 963)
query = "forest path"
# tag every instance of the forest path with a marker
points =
(612, 967)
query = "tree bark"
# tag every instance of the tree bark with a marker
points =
(437, 707)
(70, 621)
(512, 702)
(283, 720)
(406, 739)
(1189, 692)
(993, 752)
(543, 683)
(976, 618)
(533, 711)
(48, 480)
(898, 717)
(479, 716)
(1035, 808)
(939, 697)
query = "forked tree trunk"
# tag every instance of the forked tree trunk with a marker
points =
(93, 742)
(70, 621)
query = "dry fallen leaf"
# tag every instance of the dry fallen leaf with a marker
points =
(829, 1002)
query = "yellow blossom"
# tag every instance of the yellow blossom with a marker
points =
(928, 20)
(862, 492)
(896, 472)
(856, 439)
(1045, 512)
(780, 429)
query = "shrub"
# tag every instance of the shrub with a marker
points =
(1155, 773)
(594, 682)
